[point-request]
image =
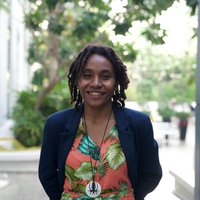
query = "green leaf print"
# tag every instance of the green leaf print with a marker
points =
(70, 174)
(81, 188)
(113, 133)
(66, 196)
(123, 188)
(88, 147)
(112, 196)
(84, 171)
(114, 155)
(102, 166)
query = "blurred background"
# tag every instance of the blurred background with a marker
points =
(157, 40)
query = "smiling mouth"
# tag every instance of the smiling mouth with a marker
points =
(94, 93)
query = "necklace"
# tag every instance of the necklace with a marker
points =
(93, 188)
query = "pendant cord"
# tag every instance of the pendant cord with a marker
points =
(93, 168)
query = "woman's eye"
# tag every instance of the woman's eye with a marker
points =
(105, 76)
(87, 76)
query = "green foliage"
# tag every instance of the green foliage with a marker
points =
(4, 5)
(77, 23)
(183, 115)
(35, 18)
(164, 78)
(152, 33)
(127, 51)
(51, 4)
(59, 30)
(88, 23)
(29, 122)
(165, 112)
(122, 27)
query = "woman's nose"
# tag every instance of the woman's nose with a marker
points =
(96, 82)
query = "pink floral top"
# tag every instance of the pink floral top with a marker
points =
(110, 169)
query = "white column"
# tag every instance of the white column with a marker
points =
(19, 74)
(23, 69)
(4, 38)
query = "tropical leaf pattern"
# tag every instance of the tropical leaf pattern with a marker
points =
(115, 156)
(102, 166)
(112, 134)
(104, 162)
(84, 171)
(88, 147)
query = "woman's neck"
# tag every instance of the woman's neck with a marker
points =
(95, 115)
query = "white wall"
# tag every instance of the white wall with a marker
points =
(4, 38)
(14, 70)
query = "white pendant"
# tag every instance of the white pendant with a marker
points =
(93, 189)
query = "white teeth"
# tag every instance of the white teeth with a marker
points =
(95, 93)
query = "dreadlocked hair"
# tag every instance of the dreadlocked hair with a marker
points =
(79, 62)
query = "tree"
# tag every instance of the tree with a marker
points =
(60, 28)
(166, 78)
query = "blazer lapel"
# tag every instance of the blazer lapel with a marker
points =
(67, 139)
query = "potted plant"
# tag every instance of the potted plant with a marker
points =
(166, 113)
(183, 123)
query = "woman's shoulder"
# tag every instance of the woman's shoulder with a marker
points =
(60, 116)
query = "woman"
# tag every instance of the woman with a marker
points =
(99, 149)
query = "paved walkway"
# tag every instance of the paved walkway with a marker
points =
(178, 156)
(26, 186)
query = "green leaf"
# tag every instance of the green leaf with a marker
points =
(69, 172)
(88, 24)
(102, 167)
(66, 196)
(84, 171)
(122, 28)
(55, 26)
(115, 156)
(113, 133)
(123, 188)
(51, 4)
(151, 33)
(81, 188)
(88, 147)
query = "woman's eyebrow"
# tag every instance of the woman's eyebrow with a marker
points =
(87, 70)
(106, 71)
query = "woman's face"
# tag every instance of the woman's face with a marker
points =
(97, 81)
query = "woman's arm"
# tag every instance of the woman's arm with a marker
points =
(149, 169)
(48, 169)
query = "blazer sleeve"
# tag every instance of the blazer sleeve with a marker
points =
(149, 168)
(48, 169)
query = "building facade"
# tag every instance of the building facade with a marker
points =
(14, 70)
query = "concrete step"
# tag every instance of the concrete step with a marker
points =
(19, 161)
(184, 183)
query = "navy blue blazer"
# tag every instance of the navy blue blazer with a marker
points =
(136, 138)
